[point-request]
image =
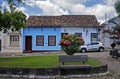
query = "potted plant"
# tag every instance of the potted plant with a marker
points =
(71, 43)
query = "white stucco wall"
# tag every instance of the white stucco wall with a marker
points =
(5, 48)
(1, 37)
(86, 32)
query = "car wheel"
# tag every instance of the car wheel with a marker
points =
(101, 49)
(83, 50)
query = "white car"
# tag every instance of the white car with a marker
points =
(94, 46)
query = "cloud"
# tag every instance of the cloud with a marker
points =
(101, 10)
(30, 2)
(70, 1)
(110, 2)
(49, 8)
(23, 10)
(20, 9)
(75, 7)
(5, 6)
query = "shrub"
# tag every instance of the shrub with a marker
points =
(70, 43)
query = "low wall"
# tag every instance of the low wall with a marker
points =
(52, 71)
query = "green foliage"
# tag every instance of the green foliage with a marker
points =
(5, 21)
(47, 61)
(117, 28)
(18, 21)
(117, 6)
(12, 20)
(93, 62)
(70, 43)
(30, 62)
(117, 25)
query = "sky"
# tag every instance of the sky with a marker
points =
(99, 8)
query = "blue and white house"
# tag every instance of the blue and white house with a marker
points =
(37, 39)
(44, 32)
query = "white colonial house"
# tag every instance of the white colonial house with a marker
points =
(10, 42)
(85, 26)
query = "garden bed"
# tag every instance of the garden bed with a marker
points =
(46, 66)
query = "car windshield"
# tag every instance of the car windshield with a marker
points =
(93, 43)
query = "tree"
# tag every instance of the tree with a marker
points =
(116, 30)
(117, 25)
(117, 7)
(5, 21)
(70, 43)
(113, 20)
(12, 20)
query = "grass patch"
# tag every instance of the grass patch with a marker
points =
(93, 62)
(37, 62)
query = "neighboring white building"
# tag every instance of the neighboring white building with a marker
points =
(1, 38)
(10, 42)
(110, 27)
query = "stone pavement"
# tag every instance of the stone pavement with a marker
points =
(105, 58)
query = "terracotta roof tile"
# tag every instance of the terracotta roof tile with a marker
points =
(64, 20)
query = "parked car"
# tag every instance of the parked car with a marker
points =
(94, 46)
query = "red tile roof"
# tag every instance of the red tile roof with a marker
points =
(64, 20)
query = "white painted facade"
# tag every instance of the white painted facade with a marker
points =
(1, 39)
(86, 32)
(5, 43)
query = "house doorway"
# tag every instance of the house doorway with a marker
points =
(28, 43)
(0, 44)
